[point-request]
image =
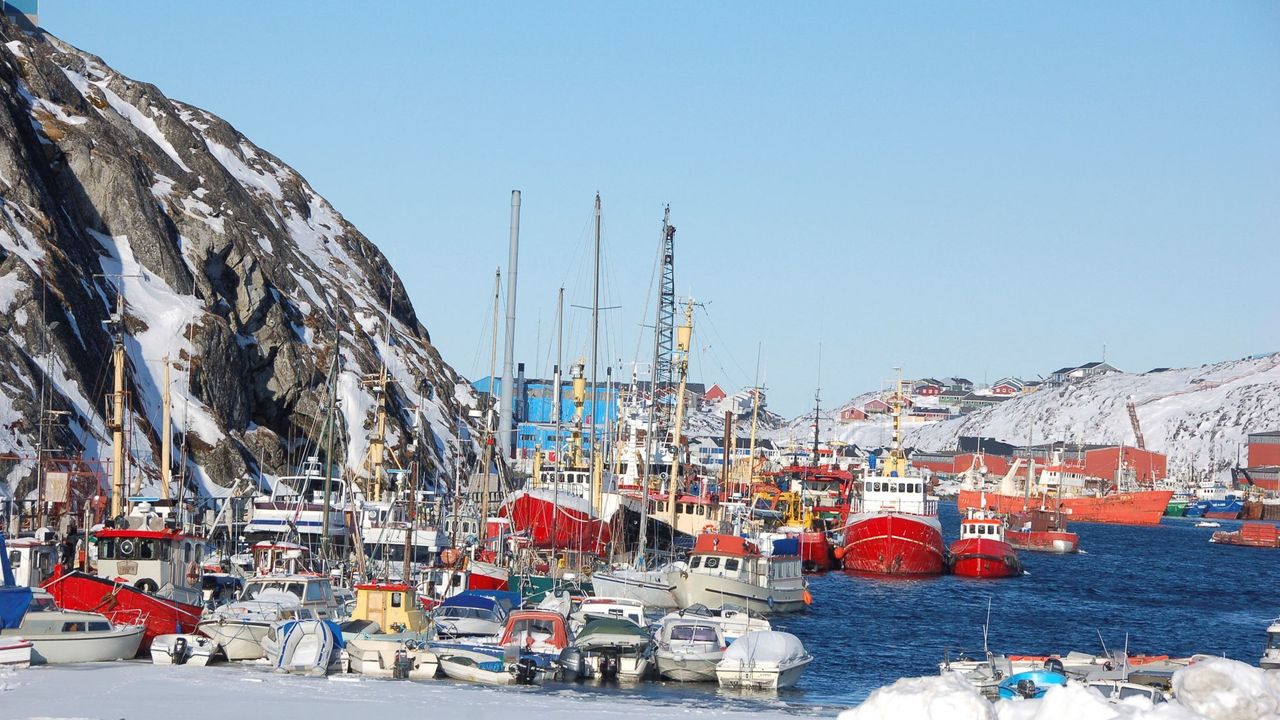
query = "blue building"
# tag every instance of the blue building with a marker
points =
(534, 411)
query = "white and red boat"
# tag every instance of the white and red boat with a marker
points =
(149, 573)
(559, 515)
(893, 526)
(982, 550)
(1041, 530)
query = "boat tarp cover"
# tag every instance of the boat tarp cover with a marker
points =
(470, 600)
(765, 646)
(786, 546)
(507, 599)
(611, 631)
(13, 605)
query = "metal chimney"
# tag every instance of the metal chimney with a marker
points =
(508, 354)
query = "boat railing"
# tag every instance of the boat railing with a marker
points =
(130, 616)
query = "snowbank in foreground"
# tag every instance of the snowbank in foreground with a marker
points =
(1213, 689)
(231, 692)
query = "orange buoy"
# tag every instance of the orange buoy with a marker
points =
(838, 551)
(808, 599)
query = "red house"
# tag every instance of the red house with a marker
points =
(715, 393)
(928, 388)
(1007, 386)
(852, 413)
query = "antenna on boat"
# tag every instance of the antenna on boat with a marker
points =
(1104, 642)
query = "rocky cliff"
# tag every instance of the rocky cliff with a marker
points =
(230, 266)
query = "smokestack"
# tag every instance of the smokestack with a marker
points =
(522, 397)
(508, 354)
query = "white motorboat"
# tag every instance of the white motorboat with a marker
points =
(307, 647)
(734, 620)
(63, 636)
(1208, 524)
(470, 616)
(239, 628)
(601, 607)
(1271, 655)
(614, 648)
(182, 649)
(477, 667)
(15, 652)
(689, 648)
(765, 660)
(1120, 692)
(655, 588)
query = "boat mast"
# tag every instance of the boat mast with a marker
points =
(117, 409)
(508, 355)
(506, 382)
(684, 334)
(166, 437)
(755, 415)
(328, 447)
(595, 342)
(556, 410)
(411, 513)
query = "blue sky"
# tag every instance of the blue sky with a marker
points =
(975, 189)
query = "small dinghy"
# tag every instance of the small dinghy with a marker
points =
(1032, 684)
(477, 667)
(308, 647)
(181, 649)
(14, 652)
(763, 660)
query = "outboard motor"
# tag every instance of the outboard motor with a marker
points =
(402, 665)
(573, 666)
(1027, 688)
(1054, 665)
(180, 650)
(526, 671)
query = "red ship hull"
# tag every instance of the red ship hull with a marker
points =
(815, 551)
(124, 604)
(552, 525)
(893, 544)
(1145, 507)
(984, 558)
(484, 576)
(1045, 541)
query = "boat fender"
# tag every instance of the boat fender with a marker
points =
(839, 553)
(808, 598)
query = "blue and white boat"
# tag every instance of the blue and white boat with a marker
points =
(1031, 684)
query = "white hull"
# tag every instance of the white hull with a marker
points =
(239, 640)
(762, 676)
(462, 666)
(714, 591)
(376, 657)
(652, 588)
(192, 650)
(1270, 663)
(688, 667)
(75, 647)
(308, 648)
(630, 669)
(15, 652)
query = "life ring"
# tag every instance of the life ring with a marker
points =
(126, 547)
(708, 528)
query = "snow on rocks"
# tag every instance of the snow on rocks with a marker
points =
(1222, 689)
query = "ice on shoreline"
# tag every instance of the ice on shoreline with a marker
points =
(1213, 689)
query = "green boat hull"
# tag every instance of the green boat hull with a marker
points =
(1176, 508)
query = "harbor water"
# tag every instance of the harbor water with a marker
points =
(1168, 588)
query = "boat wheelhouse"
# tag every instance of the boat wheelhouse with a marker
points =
(727, 569)
(295, 509)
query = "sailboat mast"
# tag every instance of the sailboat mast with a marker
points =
(166, 437)
(328, 447)
(595, 345)
(556, 410)
(117, 411)
(508, 354)
(493, 368)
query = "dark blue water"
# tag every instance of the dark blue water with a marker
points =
(1167, 587)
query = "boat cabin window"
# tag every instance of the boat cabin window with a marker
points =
(731, 564)
(316, 592)
(15, 559)
(693, 633)
(695, 562)
(255, 590)
(1273, 641)
(82, 626)
(42, 603)
(397, 599)
(712, 562)
(533, 628)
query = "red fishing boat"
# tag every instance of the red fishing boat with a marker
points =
(1041, 530)
(893, 526)
(556, 520)
(1144, 507)
(982, 550)
(149, 574)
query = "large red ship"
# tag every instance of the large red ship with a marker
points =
(893, 526)
(1143, 507)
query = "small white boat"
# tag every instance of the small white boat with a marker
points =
(477, 667)
(391, 656)
(734, 620)
(1208, 524)
(1119, 692)
(765, 660)
(1271, 655)
(64, 636)
(614, 648)
(182, 649)
(603, 607)
(689, 649)
(307, 647)
(15, 652)
(239, 628)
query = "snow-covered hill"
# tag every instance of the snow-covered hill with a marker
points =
(230, 265)
(1199, 417)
